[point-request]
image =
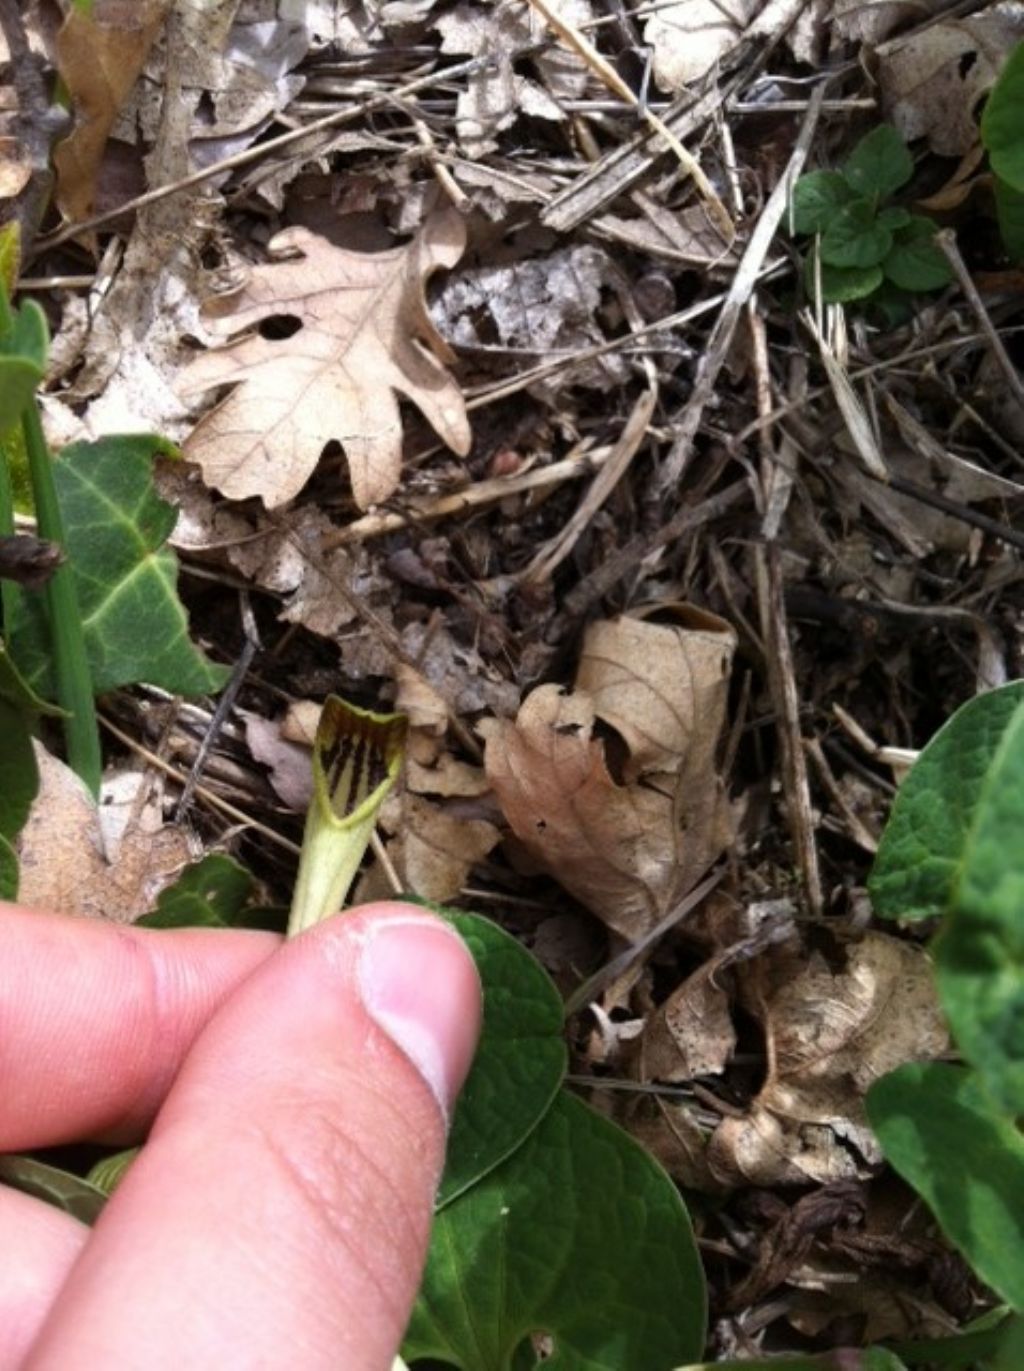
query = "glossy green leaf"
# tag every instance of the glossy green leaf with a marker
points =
(855, 238)
(8, 870)
(924, 844)
(116, 527)
(579, 1236)
(519, 1063)
(879, 164)
(1010, 213)
(841, 285)
(915, 263)
(979, 954)
(64, 1190)
(972, 1346)
(1002, 121)
(817, 197)
(942, 1132)
(212, 893)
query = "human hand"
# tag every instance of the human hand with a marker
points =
(278, 1215)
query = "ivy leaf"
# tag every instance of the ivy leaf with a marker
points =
(942, 1133)
(600, 1259)
(519, 1063)
(1003, 120)
(915, 263)
(879, 164)
(1010, 213)
(817, 197)
(925, 841)
(855, 238)
(841, 285)
(116, 527)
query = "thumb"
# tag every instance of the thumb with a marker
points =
(279, 1213)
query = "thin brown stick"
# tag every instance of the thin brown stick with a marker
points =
(946, 240)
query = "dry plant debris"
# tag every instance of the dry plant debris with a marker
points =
(656, 724)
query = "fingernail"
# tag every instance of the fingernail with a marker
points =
(419, 984)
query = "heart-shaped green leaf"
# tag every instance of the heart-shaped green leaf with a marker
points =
(212, 893)
(578, 1241)
(1002, 121)
(925, 842)
(519, 1064)
(942, 1132)
(116, 527)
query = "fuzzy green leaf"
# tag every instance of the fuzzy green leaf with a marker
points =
(855, 238)
(519, 1063)
(1002, 121)
(817, 198)
(925, 841)
(580, 1236)
(979, 954)
(915, 263)
(943, 1134)
(116, 527)
(879, 164)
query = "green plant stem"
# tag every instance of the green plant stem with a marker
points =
(70, 662)
(9, 590)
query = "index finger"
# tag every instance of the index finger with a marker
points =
(96, 1018)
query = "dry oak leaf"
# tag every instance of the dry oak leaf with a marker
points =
(365, 337)
(830, 1032)
(627, 849)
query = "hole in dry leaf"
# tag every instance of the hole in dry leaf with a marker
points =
(280, 326)
(967, 61)
(616, 752)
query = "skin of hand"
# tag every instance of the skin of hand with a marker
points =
(293, 1096)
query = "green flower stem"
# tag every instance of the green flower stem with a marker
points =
(71, 665)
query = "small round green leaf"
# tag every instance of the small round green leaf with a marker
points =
(879, 164)
(894, 217)
(841, 285)
(817, 197)
(519, 1063)
(943, 1134)
(925, 841)
(1002, 121)
(915, 263)
(855, 238)
(579, 1236)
